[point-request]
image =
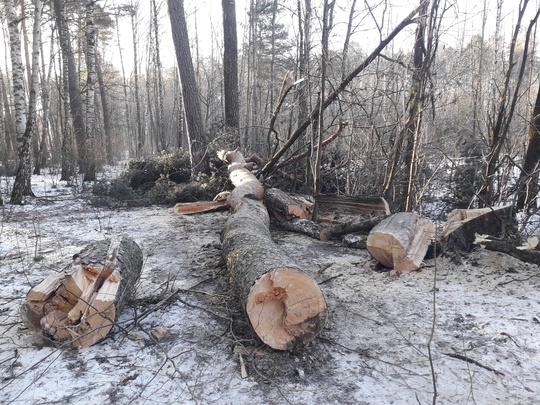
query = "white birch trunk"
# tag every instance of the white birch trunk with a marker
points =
(90, 165)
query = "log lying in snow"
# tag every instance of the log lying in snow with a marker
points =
(401, 241)
(200, 207)
(357, 224)
(334, 208)
(285, 206)
(284, 305)
(525, 255)
(78, 306)
(462, 225)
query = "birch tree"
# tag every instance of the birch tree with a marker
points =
(90, 141)
(23, 122)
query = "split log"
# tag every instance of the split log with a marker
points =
(199, 207)
(462, 225)
(401, 241)
(357, 224)
(77, 307)
(334, 208)
(284, 305)
(286, 206)
(529, 256)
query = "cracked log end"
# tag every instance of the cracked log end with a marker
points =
(286, 307)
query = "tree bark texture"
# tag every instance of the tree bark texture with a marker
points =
(19, 100)
(284, 305)
(230, 67)
(90, 141)
(190, 93)
(78, 306)
(75, 99)
(462, 225)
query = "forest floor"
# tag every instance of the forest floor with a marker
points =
(482, 318)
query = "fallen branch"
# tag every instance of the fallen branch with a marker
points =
(334, 95)
(357, 224)
(473, 361)
(528, 256)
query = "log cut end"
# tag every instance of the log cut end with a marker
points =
(286, 307)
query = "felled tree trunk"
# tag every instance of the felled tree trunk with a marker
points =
(284, 305)
(522, 253)
(462, 225)
(78, 306)
(334, 208)
(357, 224)
(286, 206)
(401, 241)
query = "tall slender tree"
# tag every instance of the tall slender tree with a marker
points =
(90, 141)
(230, 69)
(75, 98)
(190, 93)
(24, 122)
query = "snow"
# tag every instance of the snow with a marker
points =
(373, 349)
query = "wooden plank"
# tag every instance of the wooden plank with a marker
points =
(199, 207)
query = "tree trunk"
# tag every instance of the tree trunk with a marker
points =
(105, 109)
(190, 93)
(68, 142)
(230, 70)
(79, 306)
(21, 186)
(90, 141)
(528, 188)
(75, 99)
(284, 305)
(162, 145)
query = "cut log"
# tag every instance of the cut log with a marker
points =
(284, 305)
(462, 225)
(357, 224)
(285, 206)
(400, 242)
(336, 209)
(303, 226)
(529, 256)
(78, 306)
(200, 207)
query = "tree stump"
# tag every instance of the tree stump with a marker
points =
(400, 242)
(78, 306)
(284, 305)
(462, 225)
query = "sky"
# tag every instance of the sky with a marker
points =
(462, 20)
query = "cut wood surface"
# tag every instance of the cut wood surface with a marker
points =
(284, 305)
(198, 207)
(77, 307)
(286, 206)
(462, 225)
(334, 208)
(400, 242)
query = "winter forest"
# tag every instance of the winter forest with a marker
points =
(386, 97)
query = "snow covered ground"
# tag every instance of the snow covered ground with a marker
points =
(485, 339)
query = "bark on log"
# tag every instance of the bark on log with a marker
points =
(462, 225)
(286, 206)
(401, 241)
(303, 226)
(284, 305)
(357, 224)
(335, 208)
(529, 256)
(78, 306)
